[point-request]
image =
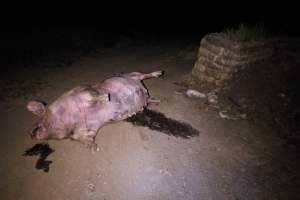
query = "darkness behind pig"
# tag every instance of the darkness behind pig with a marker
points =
(79, 113)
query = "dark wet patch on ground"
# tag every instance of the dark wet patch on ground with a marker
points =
(159, 122)
(44, 151)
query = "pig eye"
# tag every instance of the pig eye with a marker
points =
(38, 126)
(42, 128)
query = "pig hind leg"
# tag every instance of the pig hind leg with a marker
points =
(142, 76)
(152, 100)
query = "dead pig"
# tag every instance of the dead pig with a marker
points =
(79, 113)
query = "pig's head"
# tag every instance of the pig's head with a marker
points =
(42, 129)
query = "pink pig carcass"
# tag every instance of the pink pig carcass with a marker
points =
(79, 113)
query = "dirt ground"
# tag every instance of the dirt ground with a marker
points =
(230, 159)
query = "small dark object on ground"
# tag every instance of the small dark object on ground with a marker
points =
(43, 164)
(44, 151)
(159, 122)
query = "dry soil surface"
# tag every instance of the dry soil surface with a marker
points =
(230, 159)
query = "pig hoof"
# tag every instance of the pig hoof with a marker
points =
(94, 151)
(93, 148)
(153, 101)
(156, 74)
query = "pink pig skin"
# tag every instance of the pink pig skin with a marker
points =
(79, 113)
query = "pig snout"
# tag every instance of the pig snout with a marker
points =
(37, 133)
(32, 133)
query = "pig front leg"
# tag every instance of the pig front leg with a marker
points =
(87, 137)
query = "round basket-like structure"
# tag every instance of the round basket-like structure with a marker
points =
(220, 57)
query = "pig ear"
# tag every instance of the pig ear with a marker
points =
(37, 107)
